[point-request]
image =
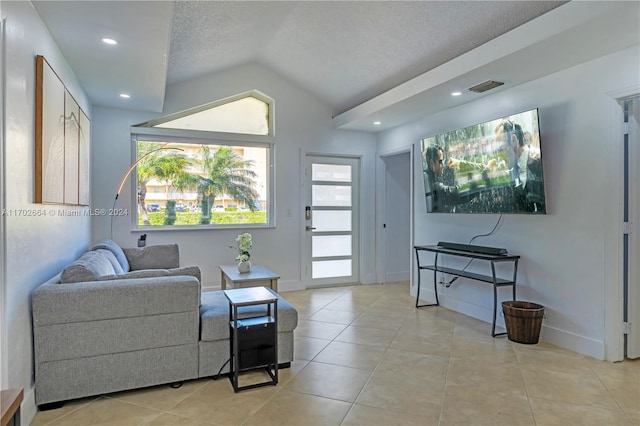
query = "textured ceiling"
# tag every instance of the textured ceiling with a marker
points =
(343, 52)
(137, 65)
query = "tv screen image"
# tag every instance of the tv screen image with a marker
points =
(491, 167)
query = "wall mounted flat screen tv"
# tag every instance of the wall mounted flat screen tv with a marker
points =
(492, 167)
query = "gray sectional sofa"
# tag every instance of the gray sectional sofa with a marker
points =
(118, 319)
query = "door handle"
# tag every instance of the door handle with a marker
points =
(309, 228)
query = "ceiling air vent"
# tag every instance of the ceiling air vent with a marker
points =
(487, 85)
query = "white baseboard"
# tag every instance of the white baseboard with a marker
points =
(290, 285)
(283, 285)
(209, 286)
(28, 407)
(561, 338)
(573, 342)
(394, 277)
(369, 278)
(482, 313)
(296, 285)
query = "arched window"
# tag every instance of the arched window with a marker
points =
(208, 167)
(248, 115)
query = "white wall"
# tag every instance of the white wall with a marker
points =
(563, 252)
(303, 125)
(37, 246)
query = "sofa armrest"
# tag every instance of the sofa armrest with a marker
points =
(161, 256)
(124, 298)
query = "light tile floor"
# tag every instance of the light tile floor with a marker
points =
(365, 356)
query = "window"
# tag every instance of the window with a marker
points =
(208, 167)
(247, 115)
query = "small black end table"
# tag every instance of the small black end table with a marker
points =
(254, 340)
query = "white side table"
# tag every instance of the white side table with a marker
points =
(258, 276)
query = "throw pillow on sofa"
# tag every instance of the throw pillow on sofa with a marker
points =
(111, 258)
(114, 248)
(161, 256)
(89, 267)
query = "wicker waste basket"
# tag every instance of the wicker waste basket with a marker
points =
(523, 321)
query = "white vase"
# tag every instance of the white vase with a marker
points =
(244, 267)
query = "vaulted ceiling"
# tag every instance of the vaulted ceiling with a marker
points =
(343, 52)
(350, 54)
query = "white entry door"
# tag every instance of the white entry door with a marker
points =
(332, 254)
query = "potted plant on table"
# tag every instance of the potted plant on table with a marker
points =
(243, 245)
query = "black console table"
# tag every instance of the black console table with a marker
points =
(491, 279)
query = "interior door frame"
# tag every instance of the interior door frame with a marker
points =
(381, 198)
(632, 344)
(305, 259)
(613, 294)
(4, 332)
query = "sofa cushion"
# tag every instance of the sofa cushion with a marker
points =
(114, 248)
(214, 315)
(114, 262)
(162, 256)
(88, 267)
(193, 271)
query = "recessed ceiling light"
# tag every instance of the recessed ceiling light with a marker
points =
(456, 93)
(377, 123)
(125, 95)
(107, 40)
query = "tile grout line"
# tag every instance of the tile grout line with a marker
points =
(319, 352)
(372, 371)
(612, 396)
(446, 377)
(524, 383)
(386, 349)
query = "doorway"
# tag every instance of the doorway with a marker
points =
(396, 227)
(622, 242)
(332, 237)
